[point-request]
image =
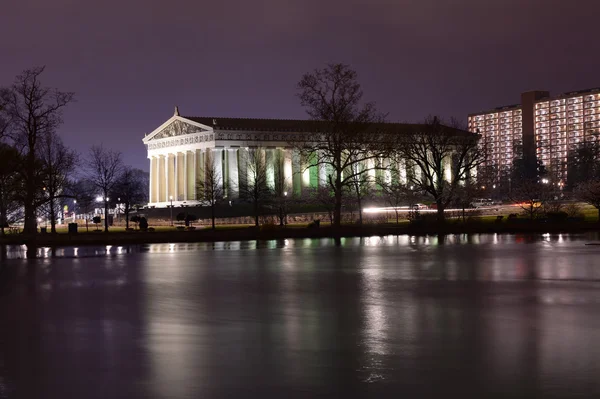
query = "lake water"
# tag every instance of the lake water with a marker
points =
(475, 316)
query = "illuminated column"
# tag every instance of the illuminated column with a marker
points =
(287, 168)
(217, 158)
(243, 169)
(200, 166)
(403, 174)
(182, 187)
(162, 179)
(152, 183)
(387, 172)
(448, 169)
(233, 173)
(296, 173)
(371, 169)
(190, 162)
(170, 170)
(270, 166)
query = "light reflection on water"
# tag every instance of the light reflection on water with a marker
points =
(20, 251)
(398, 314)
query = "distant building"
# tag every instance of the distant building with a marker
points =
(542, 128)
(178, 150)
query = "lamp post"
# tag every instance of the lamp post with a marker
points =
(171, 199)
(284, 208)
(74, 212)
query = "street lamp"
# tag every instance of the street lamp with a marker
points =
(171, 199)
(284, 208)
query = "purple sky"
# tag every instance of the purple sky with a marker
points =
(130, 62)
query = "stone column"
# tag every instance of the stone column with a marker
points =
(296, 173)
(179, 178)
(232, 173)
(217, 158)
(171, 178)
(200, 168)
(287, 168)
(190, 161)
(152, 183)
(270, 166)
(162, 179)
(243, 170)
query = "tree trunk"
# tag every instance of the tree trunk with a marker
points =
(105, 215)
(598, 215)
(52, 216)
(127, 210)
(397, 216)
(212, 215)
(30, 220)
(359, 201)
(337, 212)
(256, 214)
(441, 217)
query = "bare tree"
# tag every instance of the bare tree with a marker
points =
(361, 187)
(10, 186)
(84, 192)
(209, 188)
(348, 134)
(432, 149)
(58, 163)
(396, 193)
(254, 185)
(131, 190)
(531, 196)
(323, 197)
(31, 111)
(103, 171)
(589, 192)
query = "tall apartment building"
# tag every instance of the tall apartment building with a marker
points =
(541, 128)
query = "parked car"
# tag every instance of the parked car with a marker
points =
(419, 206)
(481, 202)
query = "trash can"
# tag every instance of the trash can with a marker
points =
(43, 230)
(72, 228)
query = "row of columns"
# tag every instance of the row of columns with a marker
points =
(174, 176)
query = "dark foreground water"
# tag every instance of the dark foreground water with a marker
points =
(481, 316)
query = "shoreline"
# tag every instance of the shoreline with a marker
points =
(252, 233)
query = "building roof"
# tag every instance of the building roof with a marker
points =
(286, 125)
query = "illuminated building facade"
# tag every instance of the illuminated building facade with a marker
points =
(541, 129)
(179, 151)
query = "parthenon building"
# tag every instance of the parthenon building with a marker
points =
(178, 149)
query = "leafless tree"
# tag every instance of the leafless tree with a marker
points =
(58, 163)
(254, 185)
(396, 193)
(323, 197)
(209, 188)
(131, 190)
(10, 186)
(531, 196)
(348, 134)
(103, 171)
(361, 187)
(589, 192)
(31, 112)
(430, 148)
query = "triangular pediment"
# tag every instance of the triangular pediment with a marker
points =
(176, 126)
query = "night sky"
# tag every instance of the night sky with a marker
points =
(130, 62)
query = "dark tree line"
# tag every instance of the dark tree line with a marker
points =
(38, 171)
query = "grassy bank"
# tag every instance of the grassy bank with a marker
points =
(238, 233)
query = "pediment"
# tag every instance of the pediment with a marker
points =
(177, 128)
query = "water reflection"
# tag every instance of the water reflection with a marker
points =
(458, 315)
